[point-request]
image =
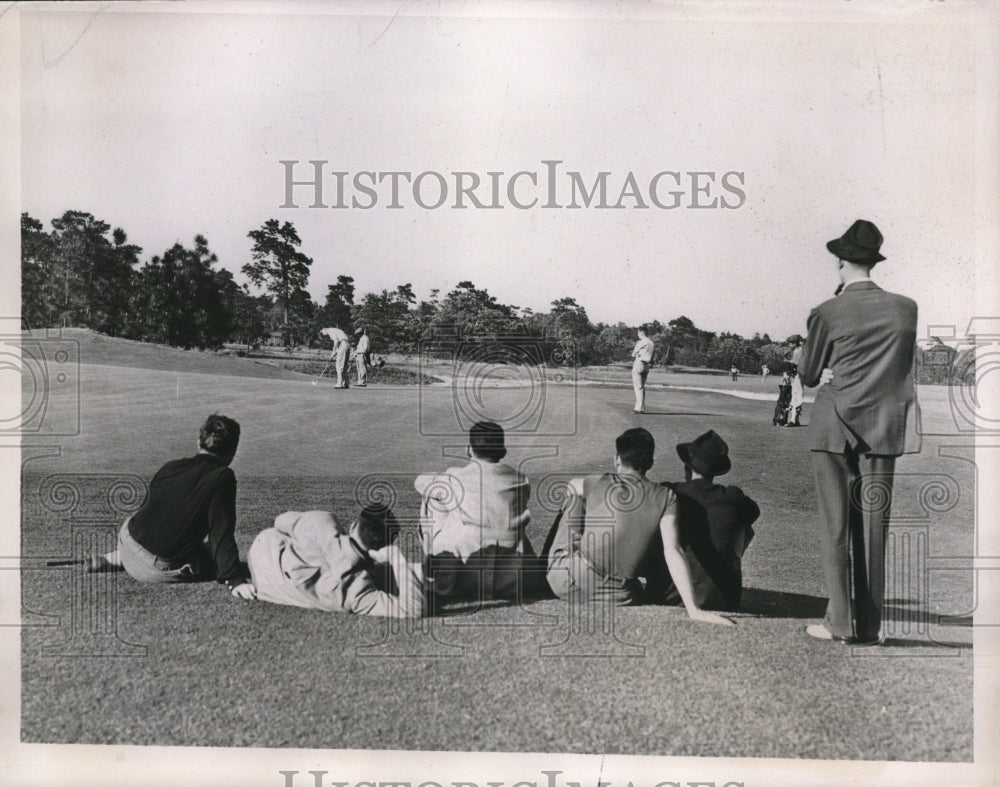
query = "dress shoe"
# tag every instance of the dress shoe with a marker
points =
(819, 631)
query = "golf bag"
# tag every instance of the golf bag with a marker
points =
(783, 405)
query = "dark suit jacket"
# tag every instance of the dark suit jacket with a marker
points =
(867, 337)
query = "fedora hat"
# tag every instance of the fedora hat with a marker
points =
(708, 454)
(861, 244)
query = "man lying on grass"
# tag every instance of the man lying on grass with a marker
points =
(184, 530)
(309, 560)
(597, 548)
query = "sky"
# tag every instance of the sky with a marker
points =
(170, 123)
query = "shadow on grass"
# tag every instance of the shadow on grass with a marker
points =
(680, 412)
(780, 604)
(895, 642)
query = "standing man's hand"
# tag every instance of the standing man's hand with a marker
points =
(826, 377)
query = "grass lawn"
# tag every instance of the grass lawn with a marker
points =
(111, 661)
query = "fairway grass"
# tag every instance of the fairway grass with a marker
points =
(107, 660)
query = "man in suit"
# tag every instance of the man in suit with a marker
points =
(861, 421)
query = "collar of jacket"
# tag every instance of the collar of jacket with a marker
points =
(861, 284)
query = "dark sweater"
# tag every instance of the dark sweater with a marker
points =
(710, 518)
(188, 500)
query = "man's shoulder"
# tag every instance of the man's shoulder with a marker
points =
(321, 518)
(175, 464)
(827, 308)
(697, 490)
(868, 292)
(901, 300)
(735, 495)
(318, 527)
(201, 464)
(508, 471)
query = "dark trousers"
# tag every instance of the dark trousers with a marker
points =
(855, 496)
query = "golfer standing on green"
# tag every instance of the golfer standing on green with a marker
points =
(341, 353)
(642, 357)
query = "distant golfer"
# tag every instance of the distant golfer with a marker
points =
(861, 421)
(308, 559)
(362, 356)
(642, 357)
(597, 548)
(184, 530)
(340, 354)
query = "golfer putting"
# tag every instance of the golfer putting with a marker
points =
(340, 355)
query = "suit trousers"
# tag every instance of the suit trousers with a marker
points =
(855, 496)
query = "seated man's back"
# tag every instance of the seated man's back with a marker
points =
(473, 519)
(612, 521)
(715, 529)
(598, 545)
(485, 504)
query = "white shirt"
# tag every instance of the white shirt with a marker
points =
(363, 344)
(335, 334)
(476, 505)
(643, 350)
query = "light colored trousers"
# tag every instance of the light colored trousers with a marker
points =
(640, 370)
(144, 566)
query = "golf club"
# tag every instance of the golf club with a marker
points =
(316, 381)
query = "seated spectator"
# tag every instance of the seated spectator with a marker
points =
(598, 546)
(310, 560)
(184, 532)
(715, 529)
(472, 522)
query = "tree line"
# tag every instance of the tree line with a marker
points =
(83, 273)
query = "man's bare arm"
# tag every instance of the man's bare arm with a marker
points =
(677, 565)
